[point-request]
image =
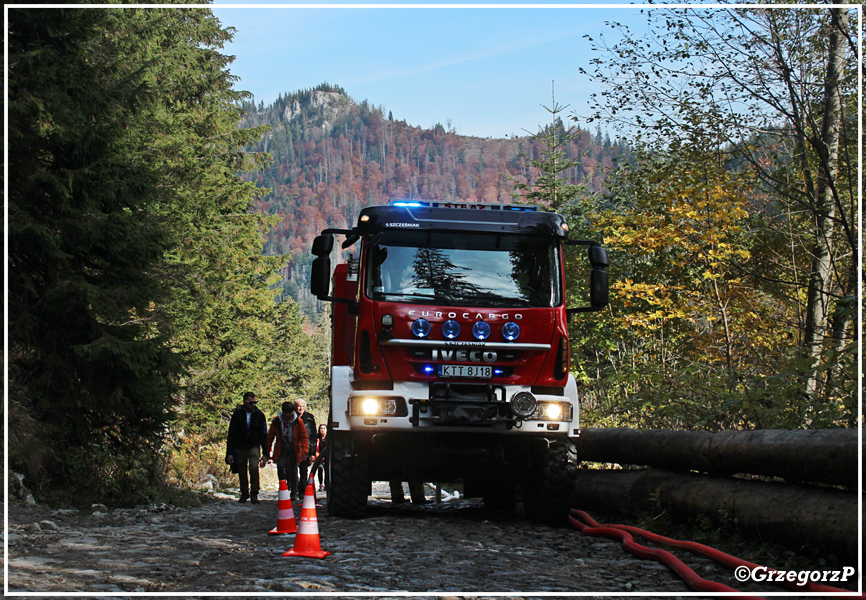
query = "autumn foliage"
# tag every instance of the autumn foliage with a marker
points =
(333, 156)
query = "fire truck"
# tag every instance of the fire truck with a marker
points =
(450, 352)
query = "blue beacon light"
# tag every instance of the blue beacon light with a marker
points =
(421, 328)
(480, 330)
(511, 331)
(451, 329)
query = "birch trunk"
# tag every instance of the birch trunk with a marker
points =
(827, 146)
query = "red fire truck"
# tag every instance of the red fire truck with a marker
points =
(450, 353)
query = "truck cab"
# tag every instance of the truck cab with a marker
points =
(450, 352)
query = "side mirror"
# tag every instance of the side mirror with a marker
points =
(323, 244)
(320, 272)
(599, 291)
(320, 275)
(598, 257)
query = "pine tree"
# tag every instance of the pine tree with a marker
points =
(86, 347)
(552, 188)
(135, 265)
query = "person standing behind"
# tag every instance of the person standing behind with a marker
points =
(287, 436)
(321, 449)
(310, 423)
(245, 444)
(416, 492)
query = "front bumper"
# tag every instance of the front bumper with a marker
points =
(450, 407)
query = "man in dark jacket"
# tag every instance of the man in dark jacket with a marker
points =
(312, 432)
(246, 445)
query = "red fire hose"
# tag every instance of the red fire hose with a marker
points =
(587, 526)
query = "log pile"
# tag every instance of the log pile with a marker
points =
(817, 455)
(690, 475)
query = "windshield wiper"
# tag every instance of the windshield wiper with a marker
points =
(435, 297)
(499, 300)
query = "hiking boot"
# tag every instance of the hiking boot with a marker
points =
(254, 499)
(244, 497)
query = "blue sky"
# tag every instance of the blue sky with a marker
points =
(486, 70)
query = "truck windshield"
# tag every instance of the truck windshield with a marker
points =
(464, 269)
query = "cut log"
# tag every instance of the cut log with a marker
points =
(790, 514)
(817, 455)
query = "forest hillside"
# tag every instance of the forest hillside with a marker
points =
(333, 155)
(159, 222)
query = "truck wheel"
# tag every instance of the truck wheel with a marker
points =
(500, 495)
(548, 493)
(350, 482)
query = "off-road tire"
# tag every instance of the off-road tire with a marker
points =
(349, 476)
(549, 492)
(500, 495)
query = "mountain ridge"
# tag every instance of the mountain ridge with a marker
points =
(332, 156)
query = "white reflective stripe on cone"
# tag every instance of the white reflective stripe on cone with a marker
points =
(308, 526)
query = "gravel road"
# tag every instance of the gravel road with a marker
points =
(223, 546)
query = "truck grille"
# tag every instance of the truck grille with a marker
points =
(467, 392)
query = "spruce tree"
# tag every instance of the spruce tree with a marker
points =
(135, 267)
(92, 364)
(552, 189)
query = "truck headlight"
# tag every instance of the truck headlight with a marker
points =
(523, 404)
(371, 406)
(552, 411)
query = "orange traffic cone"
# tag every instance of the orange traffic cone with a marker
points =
(285, 514)
(307, 540)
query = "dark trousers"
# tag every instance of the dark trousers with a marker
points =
(304, 468)
(322, 474)
(416, 492)
(248, 462)
(287, 469)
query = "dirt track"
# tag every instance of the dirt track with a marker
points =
(224, 546)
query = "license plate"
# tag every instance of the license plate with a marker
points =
(465, 371)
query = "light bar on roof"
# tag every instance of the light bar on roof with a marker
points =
(409, 203)
(468, 205)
